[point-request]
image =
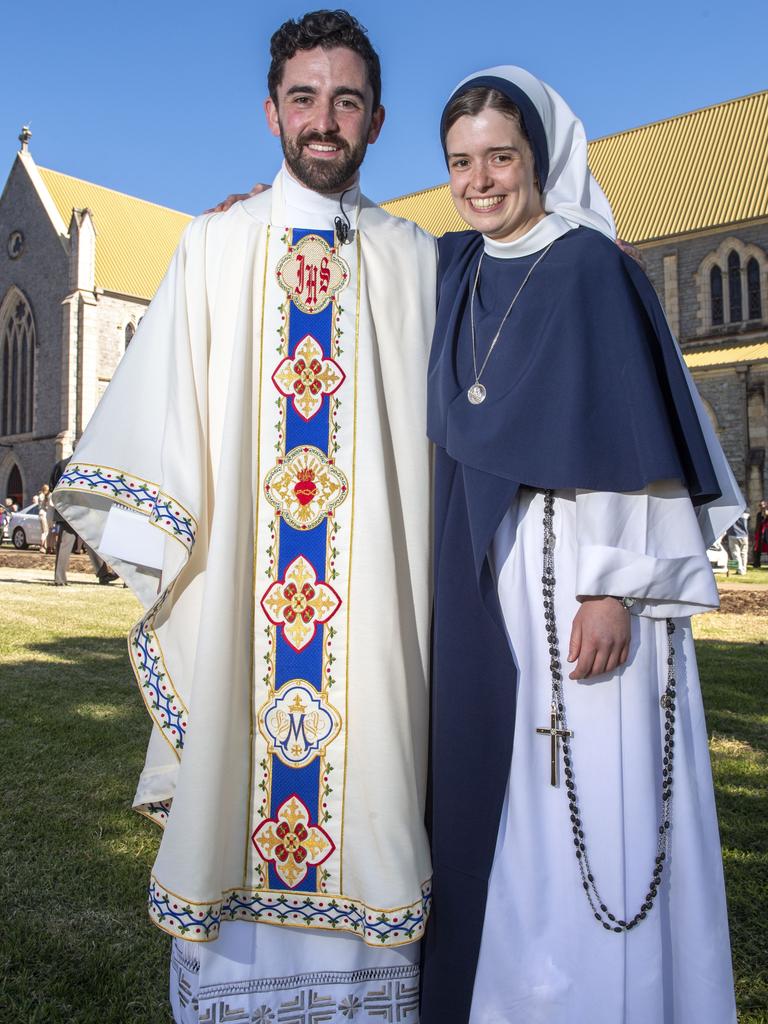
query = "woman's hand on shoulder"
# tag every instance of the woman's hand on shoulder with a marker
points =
(599, 637)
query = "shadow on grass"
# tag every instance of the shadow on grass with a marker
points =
(733, 677)
(23, 581)
(74, 859)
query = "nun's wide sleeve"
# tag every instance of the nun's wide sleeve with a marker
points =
(646, 545)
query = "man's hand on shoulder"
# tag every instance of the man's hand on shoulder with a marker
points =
(237, 197)
(630, 250)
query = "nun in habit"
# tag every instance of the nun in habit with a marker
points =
(577, 865)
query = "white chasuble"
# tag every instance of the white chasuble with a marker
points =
(544, 959)
(268, 421)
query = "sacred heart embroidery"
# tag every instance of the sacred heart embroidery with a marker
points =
(305, 487)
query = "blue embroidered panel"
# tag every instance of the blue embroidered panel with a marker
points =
(306, 664)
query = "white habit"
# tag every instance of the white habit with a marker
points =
(544, 959)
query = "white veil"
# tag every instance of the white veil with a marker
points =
(570, 189)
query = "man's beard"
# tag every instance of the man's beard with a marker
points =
(318, 174)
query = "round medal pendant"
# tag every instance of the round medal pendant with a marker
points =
(476, 393)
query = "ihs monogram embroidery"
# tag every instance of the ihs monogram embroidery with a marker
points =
(312, 274)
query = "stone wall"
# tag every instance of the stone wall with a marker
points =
(690, 254)
(736, 393)
(80, 335)
(41, 274)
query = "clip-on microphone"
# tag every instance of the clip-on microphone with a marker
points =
(342, 226)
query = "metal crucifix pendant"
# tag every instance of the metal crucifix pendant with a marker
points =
(554, 733)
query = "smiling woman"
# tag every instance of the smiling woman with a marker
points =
(493, 177)
(570, 455)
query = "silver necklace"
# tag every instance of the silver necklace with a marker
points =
(476, 393)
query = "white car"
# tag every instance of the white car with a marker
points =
(718, 557)
(24, 528)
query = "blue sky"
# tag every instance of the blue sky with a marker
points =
(163, 99)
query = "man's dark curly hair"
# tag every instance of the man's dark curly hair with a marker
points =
(327, 29)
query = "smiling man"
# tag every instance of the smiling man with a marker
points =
(324, 132)
(258, 472)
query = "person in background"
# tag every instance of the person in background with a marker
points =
(67, 538)
(6, 511)
(737, 539)
(45, 511)
(760, 543)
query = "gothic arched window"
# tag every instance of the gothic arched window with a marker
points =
(130, 330)
(734, 288)
(17, 365)
(754, 302)
(716, 294)
(14, 488)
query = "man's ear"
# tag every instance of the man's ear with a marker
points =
(273, 123)
(377, 120)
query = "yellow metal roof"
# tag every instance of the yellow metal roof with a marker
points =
(135, 239)
(692, 172)
(432, 209)
(724, 356)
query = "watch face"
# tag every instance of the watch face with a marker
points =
(15, 244)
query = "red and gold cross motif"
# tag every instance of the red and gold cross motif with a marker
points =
(312, 273)
(291, 842)
(308, 377)
(299, 603)
(305, 487)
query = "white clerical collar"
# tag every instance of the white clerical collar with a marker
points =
(541, 234)
(307, 209)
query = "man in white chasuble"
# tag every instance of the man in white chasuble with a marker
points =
(282, 655)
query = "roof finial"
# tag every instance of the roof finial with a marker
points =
(24, 137)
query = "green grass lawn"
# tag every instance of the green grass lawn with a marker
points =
(77, 947)
(753, 576)
(733, 662)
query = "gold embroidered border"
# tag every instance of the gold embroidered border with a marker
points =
(376, 926)
(130, 491)
(162, 700)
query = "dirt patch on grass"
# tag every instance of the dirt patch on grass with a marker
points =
(10, 558)
(744, 602)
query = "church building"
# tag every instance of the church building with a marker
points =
(78, 268)
(81, 263)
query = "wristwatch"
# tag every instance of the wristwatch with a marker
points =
(627, 602)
